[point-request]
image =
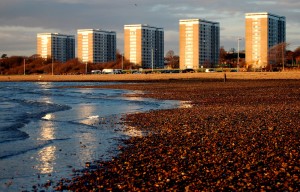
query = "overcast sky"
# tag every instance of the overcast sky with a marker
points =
(21, 20)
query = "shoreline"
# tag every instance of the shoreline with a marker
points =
(82, 129)
(239, 135)
(150, 77)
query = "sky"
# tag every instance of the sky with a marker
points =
(21, 20)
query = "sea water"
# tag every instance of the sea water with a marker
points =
(49, 129)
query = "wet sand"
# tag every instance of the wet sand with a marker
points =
(239, 135)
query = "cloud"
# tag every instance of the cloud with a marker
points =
(26, 18)
(263, 2)
(19, 40)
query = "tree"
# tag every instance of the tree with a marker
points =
(170, 54)
(297, 52)
(223, 55)
(289, 57)
(277, 55)
(296, 55)
(4, 56)
(172, 59)
(232, 50)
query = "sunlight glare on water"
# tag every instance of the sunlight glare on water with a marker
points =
(46, 130)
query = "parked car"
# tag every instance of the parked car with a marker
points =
(165, 71)
(188, 71)
(112, 71)
(96, 72)
(210, 70)
(175, 71)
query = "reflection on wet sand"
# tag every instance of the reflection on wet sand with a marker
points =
(47, 130)
(133, 132)
(86, 150)
(87, 114)
(46, 156)
(46, 159)
(45, 85)
(185, 104)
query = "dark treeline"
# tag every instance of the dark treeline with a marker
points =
(16, 65)
(35, 65)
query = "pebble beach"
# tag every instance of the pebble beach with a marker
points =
(238, 135)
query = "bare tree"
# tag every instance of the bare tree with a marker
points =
(277, 55)
(4, 56)
(172, 59)
(297, 52)
(223, 55)
(170, 54)
(296, 55)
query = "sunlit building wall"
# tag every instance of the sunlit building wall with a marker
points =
(263, 31)
(144, 45)
(199, 43)
(56, 46)
(96, 46)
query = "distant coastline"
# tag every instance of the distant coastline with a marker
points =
(150, 77)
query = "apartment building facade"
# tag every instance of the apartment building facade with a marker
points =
(144, 45)
(263, 31)
(199, 43)
(58, 47)
(96, 46)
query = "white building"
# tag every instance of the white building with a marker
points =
(56, 46)
(263, 31)
(96, 46)
(144, 45)
(199, 43)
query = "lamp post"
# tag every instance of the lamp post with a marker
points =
(238, 55)
(52, 66)
(282, 56)
(152, 58)
(122, 61)
(204, 50)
